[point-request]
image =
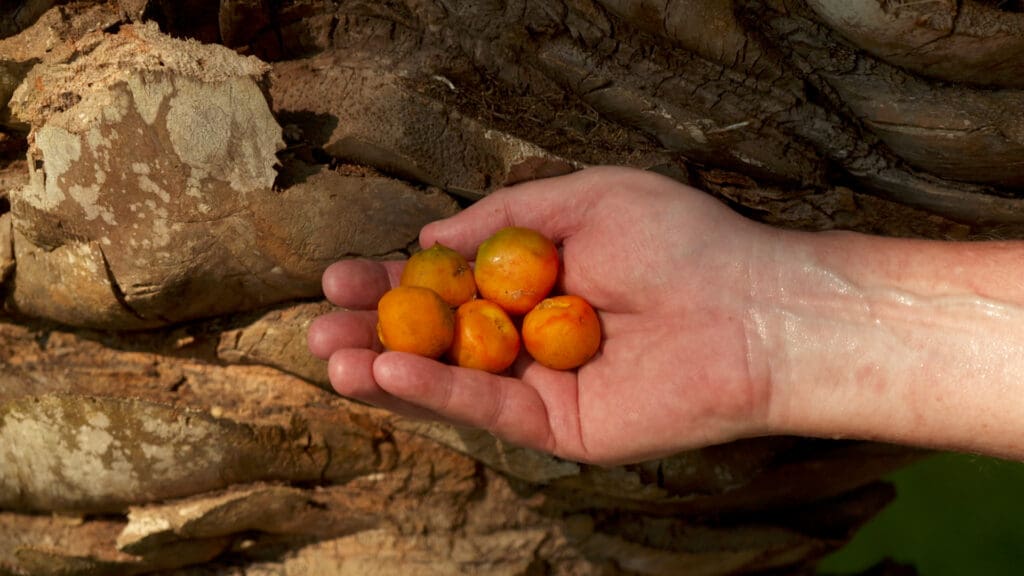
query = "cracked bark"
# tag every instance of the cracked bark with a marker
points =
(115, 287)
(374, 118)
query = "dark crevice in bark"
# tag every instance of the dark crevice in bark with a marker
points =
(20, 14)
(1007, 5)
(115, 288)
(861, 154)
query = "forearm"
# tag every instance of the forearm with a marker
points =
(896, 340)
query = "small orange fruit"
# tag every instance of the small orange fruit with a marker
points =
(415, 319)
(444, 271)
(485, 337)
(562, 332)
(516, 268)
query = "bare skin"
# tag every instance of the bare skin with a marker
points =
(716, 328)
(905, 341)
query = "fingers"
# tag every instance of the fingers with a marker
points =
(360, 283)
(357, 285)
(504, 406)
(556, 207)
(351, 375)
(343, 329)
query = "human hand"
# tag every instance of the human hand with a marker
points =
(666, 266)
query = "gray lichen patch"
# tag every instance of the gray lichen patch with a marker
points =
(150, 91)
(101, 60)
(150, 198)
(71, 452)
(168, 104)
(200, 107)
(141, 144)
(61, 149)
(69, 165)
(101, 454)
(224, 131)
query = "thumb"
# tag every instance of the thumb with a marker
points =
(555, 207)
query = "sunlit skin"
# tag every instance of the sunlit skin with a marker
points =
(444, 271)
(638, 247)
(562, 332)
(715, 328)
(516, 268)
(415, 320)
(485, 337)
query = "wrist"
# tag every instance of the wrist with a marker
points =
(894, 340)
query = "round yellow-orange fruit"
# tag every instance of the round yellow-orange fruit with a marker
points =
(415, 319)
(485, 337)
(516, 268)
(562, 332)
(444, 271)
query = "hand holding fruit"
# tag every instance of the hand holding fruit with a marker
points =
(663, 266)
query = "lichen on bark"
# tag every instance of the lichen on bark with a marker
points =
(177, 176)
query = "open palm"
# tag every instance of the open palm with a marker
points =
(668, 269)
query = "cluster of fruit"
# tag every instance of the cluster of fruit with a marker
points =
(514, 273)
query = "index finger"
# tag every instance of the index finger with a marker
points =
(555, 207)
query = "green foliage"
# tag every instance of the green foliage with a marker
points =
(954, 514)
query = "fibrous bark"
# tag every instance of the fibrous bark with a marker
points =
(206, 456)
(175, 176)
(959, 41)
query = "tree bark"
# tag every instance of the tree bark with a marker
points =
(174, 177)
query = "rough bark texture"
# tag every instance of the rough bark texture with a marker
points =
(174, 177)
